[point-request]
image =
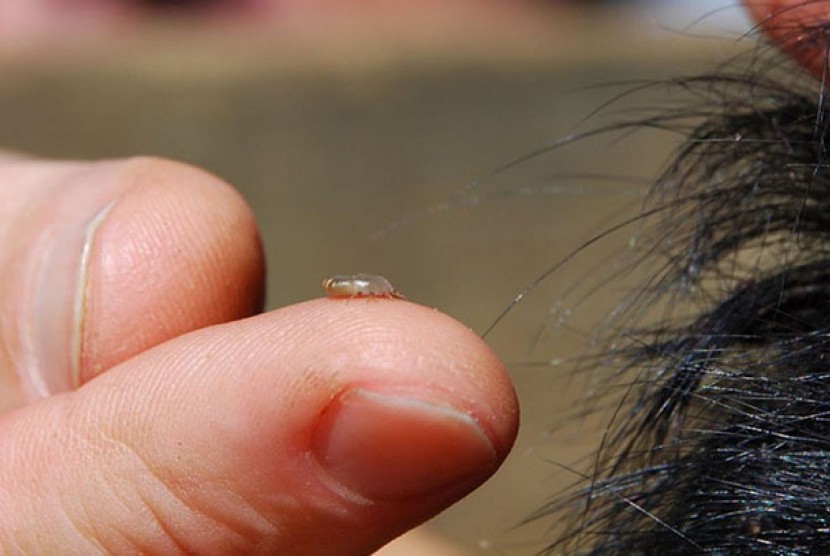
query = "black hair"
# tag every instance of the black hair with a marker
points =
(721, 441)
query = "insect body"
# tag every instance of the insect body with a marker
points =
(360, 285)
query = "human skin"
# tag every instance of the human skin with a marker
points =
(149, 409)
(784, 22)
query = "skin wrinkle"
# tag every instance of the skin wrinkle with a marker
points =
(181, 379)
(92, 443)
(84, 527)
(10, 544)
(248, 523)
(142, 544)
(95, 441)
(244, 518)
(169, 493)
(138, 539)
(178, 544)
(59, 439)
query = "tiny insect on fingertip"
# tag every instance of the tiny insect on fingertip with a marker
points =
(360, 285)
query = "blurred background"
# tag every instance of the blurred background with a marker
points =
(368, 137)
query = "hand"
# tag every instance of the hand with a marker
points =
(147, 411)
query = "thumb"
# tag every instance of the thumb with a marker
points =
(326, 427)
(100, 261)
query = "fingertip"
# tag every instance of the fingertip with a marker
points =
(425, 353)
(179, 250)
(431, 416)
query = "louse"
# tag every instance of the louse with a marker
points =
(360, 285)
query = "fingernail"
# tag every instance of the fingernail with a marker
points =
(385, 447)
(57, 279)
